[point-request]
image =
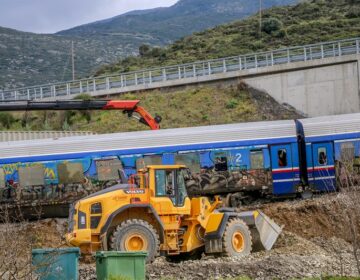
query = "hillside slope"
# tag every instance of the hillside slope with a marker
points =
(28, 59)
(311, 21)
(183, 108)
(168, 24)
(31, 59)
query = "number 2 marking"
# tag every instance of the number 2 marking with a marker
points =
(238, 158)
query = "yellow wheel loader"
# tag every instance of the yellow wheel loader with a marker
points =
(153, 213)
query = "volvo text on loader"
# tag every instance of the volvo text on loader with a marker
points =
(153, 213)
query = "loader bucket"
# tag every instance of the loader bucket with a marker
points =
(264, 231)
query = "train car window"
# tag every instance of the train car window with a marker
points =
(70, 172)
(221, 163)
(257, 159)
(2, 178)
(282, 158)
(108, 169)
(141, 163)
(190, 160)
(347, 152)
(32, 176)
(322, 156)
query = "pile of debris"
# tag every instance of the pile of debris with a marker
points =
(315, 243)
(292, 257)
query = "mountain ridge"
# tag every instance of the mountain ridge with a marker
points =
(185, 16)
(28, 59)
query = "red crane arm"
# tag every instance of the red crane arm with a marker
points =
(121, 105)
(131, 106)
(128, 106)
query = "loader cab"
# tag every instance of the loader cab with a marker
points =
(167, 183)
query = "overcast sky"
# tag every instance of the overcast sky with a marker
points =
(49, 16)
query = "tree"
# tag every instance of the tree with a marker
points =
(271, 25)
(144, 50)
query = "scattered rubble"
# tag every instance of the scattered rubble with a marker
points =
(314, 243)
(293, 257)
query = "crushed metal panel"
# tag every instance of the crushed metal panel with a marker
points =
(190, 160)
(141, 163)
(32, 176)
(2, 178)
(108, 169)
(70, 172)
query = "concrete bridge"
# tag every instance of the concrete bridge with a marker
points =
(318, 79)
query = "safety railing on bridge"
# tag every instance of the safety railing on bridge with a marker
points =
(157, 76)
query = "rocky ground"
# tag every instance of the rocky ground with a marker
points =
(313, 244)
(316, 242)
(292, 257)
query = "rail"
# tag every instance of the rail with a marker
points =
(180, 72)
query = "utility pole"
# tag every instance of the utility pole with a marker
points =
(73, 60)
(260, 16)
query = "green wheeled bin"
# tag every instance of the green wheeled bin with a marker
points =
(56, 264)
(114, 265)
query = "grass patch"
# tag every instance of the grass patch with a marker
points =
(185, 108)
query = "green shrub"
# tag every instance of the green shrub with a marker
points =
(83, 96)
(232, 104)
(280, 33)
(353, 2)
(205, 117)
(6, 119)
(271, 25)
(353, 13)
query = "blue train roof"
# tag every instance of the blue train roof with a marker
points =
(332, 127)
(253, 133)
(249, 132)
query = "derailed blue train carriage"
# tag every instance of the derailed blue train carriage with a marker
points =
(332, 151)
(239, 161)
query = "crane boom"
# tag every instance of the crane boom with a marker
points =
(128, 106)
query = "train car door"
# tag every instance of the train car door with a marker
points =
(282, 169)
(323, 166)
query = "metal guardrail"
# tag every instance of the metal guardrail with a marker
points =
(182, 72)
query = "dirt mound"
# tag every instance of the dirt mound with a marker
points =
(48, 233)
(269, 108)
(17, 240)
(292, 257)
(318, 217)
(313, 244)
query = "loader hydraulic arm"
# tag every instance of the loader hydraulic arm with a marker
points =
(129, 107)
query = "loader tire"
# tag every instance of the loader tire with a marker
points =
(237, 240)
(136, 235)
